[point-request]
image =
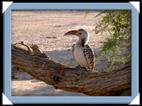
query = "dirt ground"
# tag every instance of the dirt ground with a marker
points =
(46, 29)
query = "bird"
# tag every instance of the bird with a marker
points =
(82, 52)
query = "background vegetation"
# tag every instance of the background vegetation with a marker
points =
(116, 49)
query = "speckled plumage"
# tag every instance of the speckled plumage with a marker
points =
(84, 56)
(82, 52)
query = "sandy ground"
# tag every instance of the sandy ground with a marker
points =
(38, 88)
(46, 29)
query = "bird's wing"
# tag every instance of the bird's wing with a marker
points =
(90, 56)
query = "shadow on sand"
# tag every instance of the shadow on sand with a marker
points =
(65, 57)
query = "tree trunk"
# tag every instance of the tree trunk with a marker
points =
(71, 79)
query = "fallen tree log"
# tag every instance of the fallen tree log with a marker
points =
(71, 79)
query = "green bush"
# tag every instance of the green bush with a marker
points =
(117, 47)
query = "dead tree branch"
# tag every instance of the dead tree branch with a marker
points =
(71, 79)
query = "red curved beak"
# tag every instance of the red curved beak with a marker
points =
(72, 32)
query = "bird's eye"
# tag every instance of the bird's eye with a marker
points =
(79, 33)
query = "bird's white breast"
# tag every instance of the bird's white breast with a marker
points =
(79, 55)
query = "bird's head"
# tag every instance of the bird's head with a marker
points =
(81, 33)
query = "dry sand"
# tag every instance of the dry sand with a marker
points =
(38, 88)
(46, 29)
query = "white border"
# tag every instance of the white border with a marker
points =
(136, 5)
(136, 100)
(5, 100)
(5, 5)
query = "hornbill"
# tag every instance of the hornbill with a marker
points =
(82, 52)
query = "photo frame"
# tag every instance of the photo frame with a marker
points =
(9, 99)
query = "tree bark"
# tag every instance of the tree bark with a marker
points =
(71, 79)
